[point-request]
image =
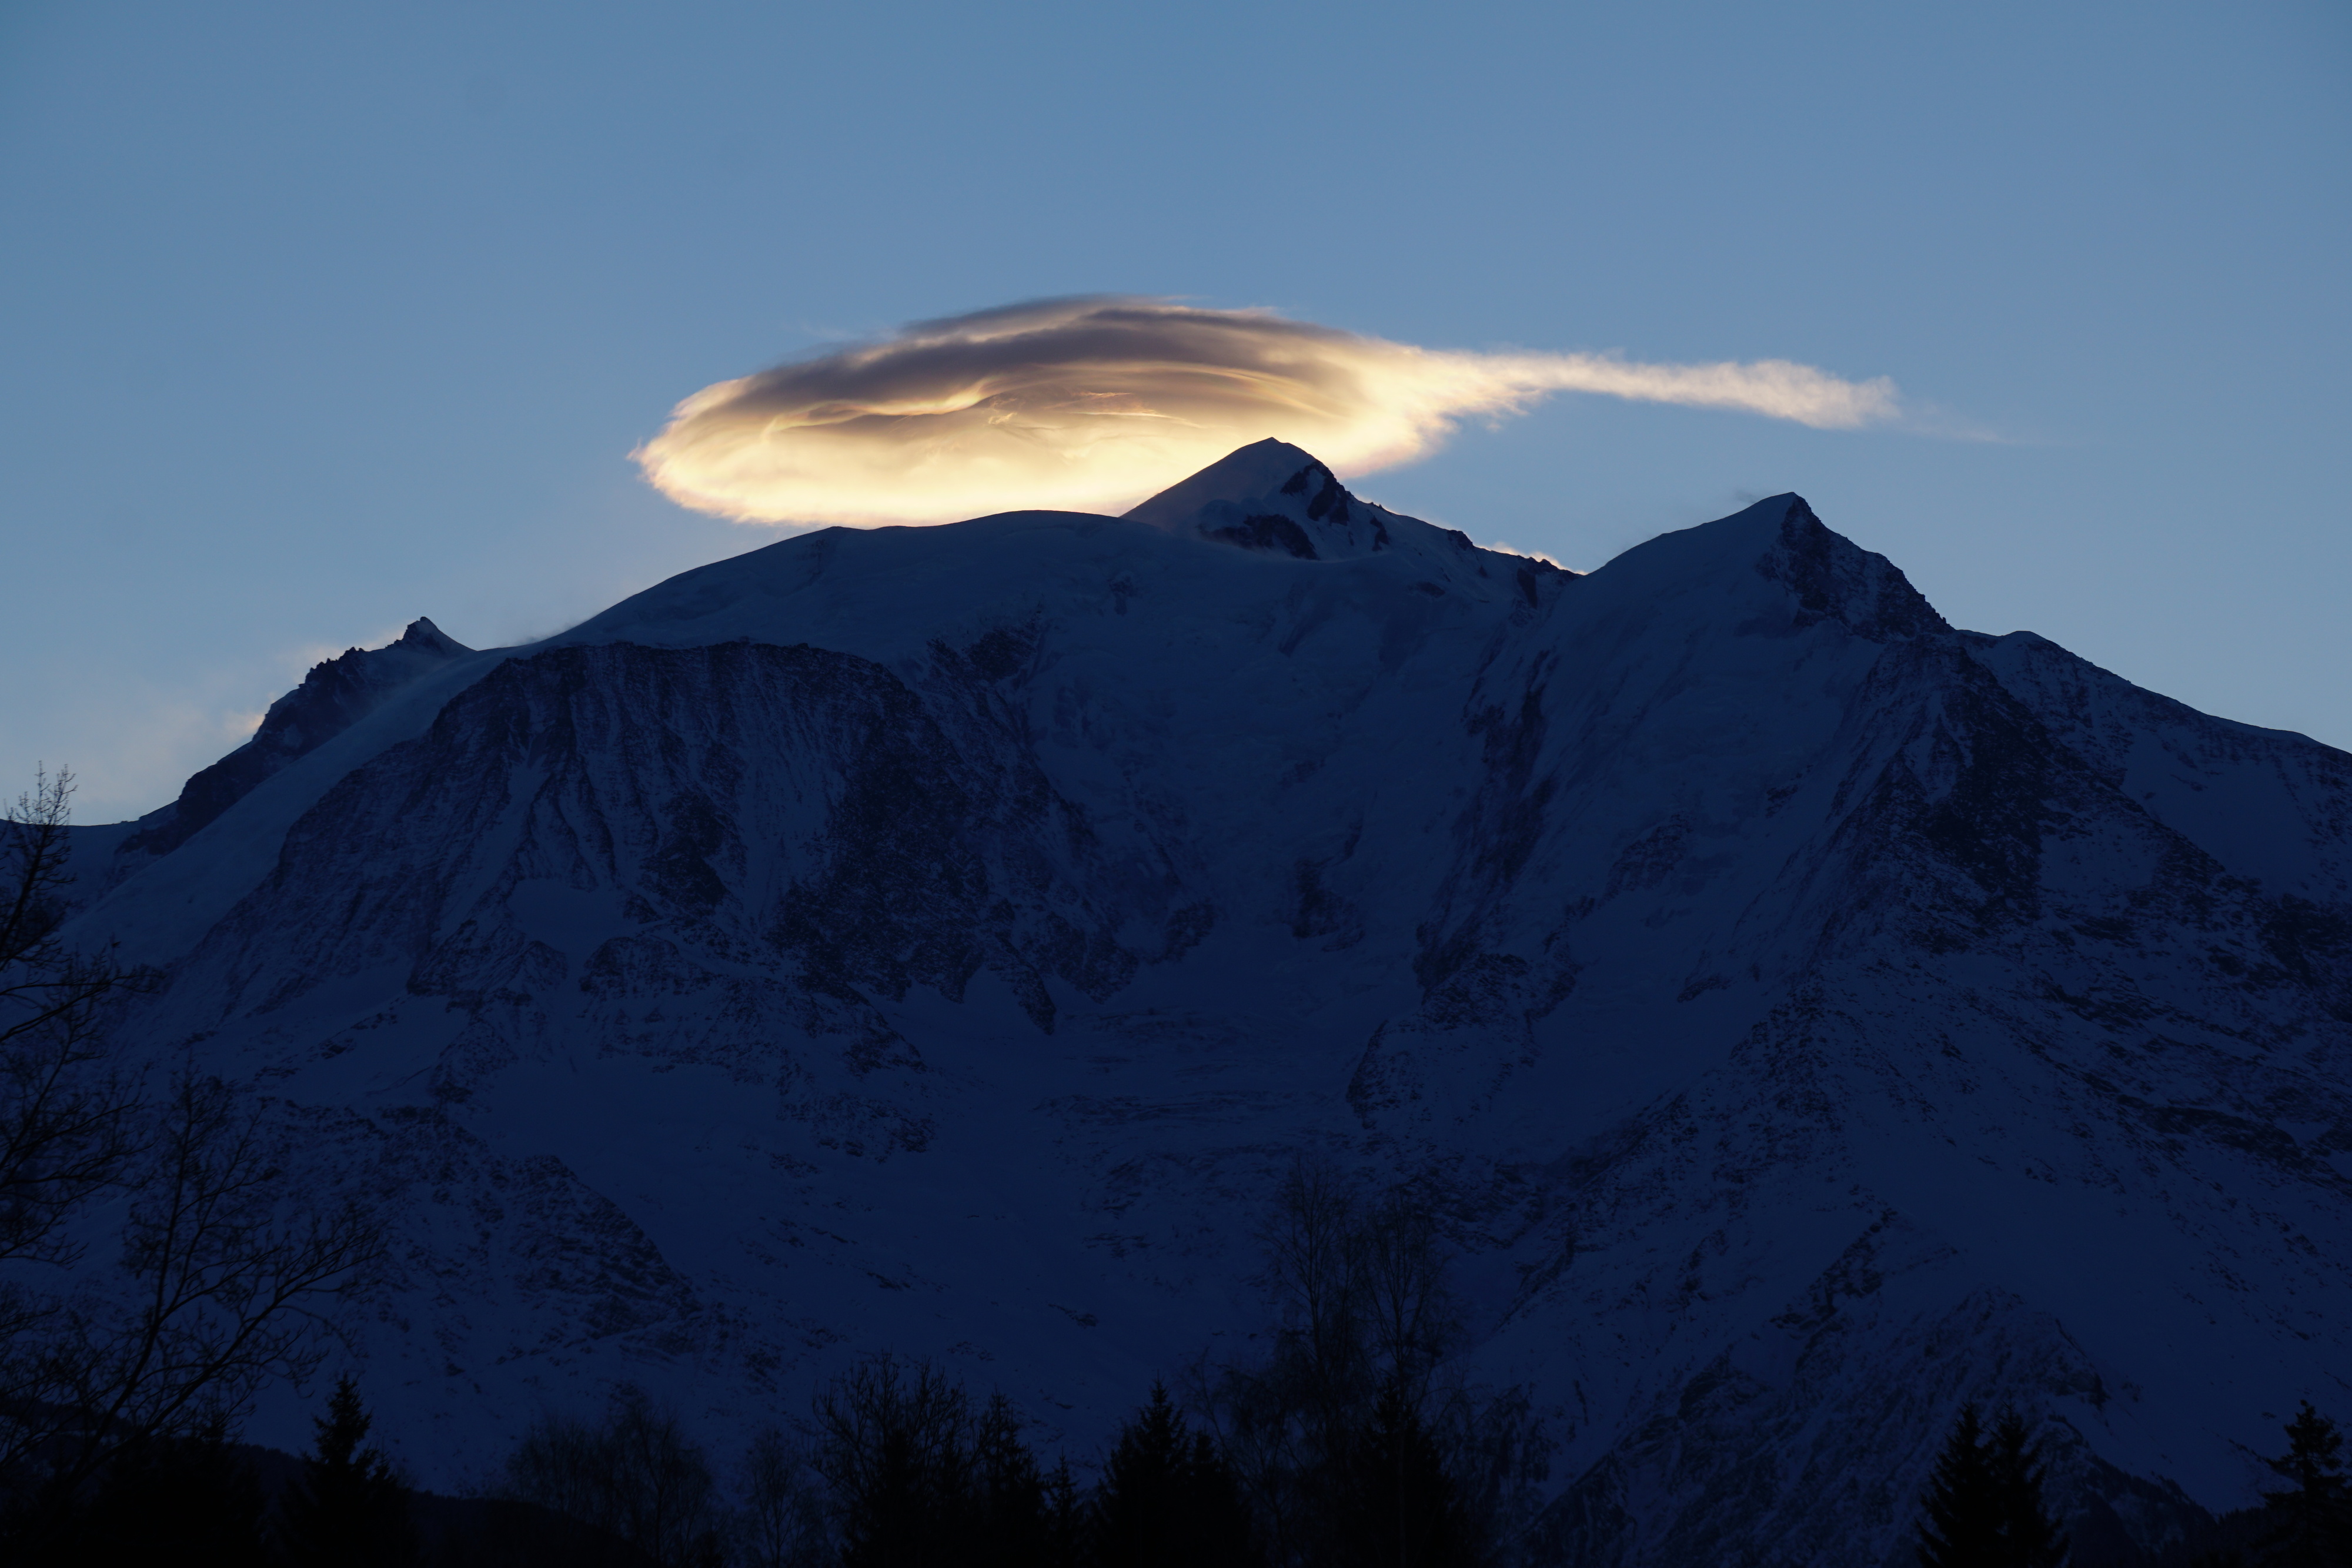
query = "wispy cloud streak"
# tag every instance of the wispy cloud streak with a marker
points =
(1093, 404)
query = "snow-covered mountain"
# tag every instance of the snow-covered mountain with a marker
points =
(1806, 1016)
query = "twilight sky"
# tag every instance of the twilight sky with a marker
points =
(315, 319)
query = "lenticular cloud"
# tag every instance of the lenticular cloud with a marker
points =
(1093, 403)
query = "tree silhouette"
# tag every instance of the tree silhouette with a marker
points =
(783, 1520)
(2310, 1525)
(70, 1129)
(1167, 1499)
(895, 1446)
(1138, 1505)
(635, 1478)
(1065, 1521)
(221, 1273)
(1366, 1323)
(347, 1508)
(1402, 1509)
(1011, 1527)
(2030, 1535)
(68, 1126)
(1984, 1507)
(1962, 1527)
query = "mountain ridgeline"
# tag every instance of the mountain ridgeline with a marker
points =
(1802, 1019)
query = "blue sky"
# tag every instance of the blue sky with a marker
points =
(319, 317)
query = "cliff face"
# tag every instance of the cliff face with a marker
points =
(1805, 1017)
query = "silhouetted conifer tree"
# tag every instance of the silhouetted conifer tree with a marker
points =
(2031, 1537)
(1011, 1526)
(1142, 1495)
(1222, 1530)
(1984, 1507)
(1401, 1509)
(2310, 1523)
(1167, 1499)
(347, 1508)
(1962, 1527)
(1065, 1521)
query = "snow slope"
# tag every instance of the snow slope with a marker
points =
(1805, 1015)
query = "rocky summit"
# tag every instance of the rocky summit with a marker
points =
(1803, 1016)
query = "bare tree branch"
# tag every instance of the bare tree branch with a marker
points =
(229, 1286)
(65, 1119)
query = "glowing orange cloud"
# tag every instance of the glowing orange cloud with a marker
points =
(1092, 404)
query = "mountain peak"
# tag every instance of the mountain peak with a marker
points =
(423, 636)
(1278, 499)
(1272, 495)
(336, 694)
(1833, 578)
(1826, 575)
(1246, 474)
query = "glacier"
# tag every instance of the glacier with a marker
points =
(1804, 1016)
